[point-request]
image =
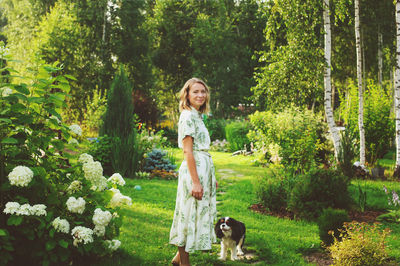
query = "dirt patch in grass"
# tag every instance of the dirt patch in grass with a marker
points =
(320, 258)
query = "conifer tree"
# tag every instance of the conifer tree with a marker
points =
(119, 123)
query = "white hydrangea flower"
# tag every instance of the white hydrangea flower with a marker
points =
(61, 225)
(113, 244)
(20, 176)
(76, 129)
(82, 234)
(119, 200)
(73, 141)
(38, 210)
(76, 205)
(5, 91)
(101, 218)
(99, 184)
(24, 209)
(11, 207)
(117, 179)
(85, 158)
(74, 186)
(93, 170)
(99, 230)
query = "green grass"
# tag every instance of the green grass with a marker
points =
(274, 241)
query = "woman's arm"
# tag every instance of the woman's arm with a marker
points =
(197, 188)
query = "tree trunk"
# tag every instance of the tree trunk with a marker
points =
(360, 83)
(327, 81)
(397, 88)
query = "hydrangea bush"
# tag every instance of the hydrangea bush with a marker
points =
(59, 209)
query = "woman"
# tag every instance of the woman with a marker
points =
(195, 210)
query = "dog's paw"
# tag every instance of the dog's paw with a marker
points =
(234, 258)
(240, 253)
(222, 258)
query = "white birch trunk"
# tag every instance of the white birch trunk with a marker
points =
(397, 84)
(360, 83)
(327, 81)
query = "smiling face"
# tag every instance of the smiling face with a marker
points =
(197, 95)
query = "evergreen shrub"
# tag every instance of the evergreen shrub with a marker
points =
(329, 223)
(157, 159)
(361, 244)
(119, 124)
(236, 135)
(319, 189)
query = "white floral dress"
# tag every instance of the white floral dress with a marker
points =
(193, 224)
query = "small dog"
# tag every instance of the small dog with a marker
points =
(232, 234)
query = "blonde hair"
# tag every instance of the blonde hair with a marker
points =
(184, 103)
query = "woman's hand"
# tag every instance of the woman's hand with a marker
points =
(197, 191)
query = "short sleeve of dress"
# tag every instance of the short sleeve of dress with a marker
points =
(186, 127)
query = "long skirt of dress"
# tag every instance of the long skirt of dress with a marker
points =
(193, 224)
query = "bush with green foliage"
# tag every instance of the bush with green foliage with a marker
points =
(150, 140)
(48, 202)
(319, 189)
(236, 135)
(329, 223)
(215, 127)
(360, 244)
(119, 124)
(295, 138)
(157, 159)
(100, 149)
(378, 119)
(346, 154)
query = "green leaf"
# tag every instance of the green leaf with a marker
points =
(9, 141)
(51, 244)
(70, 77)
(5, 120)
(3, 232)
(51, 232)
(36, 100)
(22, 89)
(14, 220)
(63, 243)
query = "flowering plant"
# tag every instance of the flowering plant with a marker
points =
(60, 209)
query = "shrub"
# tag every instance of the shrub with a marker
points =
(346, 154)
(236, 135)
(361, 245)
(150, 140)
(100, 149)
(273, 190)
(156, 160)
(295, 137)
(119, 124)
(331, 220)
(163, 174)
(378, 121)
(48, 202)
(319, 189)
(215, 127)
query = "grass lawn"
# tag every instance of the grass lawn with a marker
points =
(273, 241)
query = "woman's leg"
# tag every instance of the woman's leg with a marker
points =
(184, 256)
(176, 260)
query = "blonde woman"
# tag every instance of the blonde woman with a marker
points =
(195, 210)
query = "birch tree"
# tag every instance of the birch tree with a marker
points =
(359, 81)
(397, 88)
(327, 80)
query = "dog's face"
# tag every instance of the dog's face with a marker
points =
(226, 226)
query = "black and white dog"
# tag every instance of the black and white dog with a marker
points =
(232, 234)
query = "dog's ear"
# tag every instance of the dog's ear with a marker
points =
(218, 230)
